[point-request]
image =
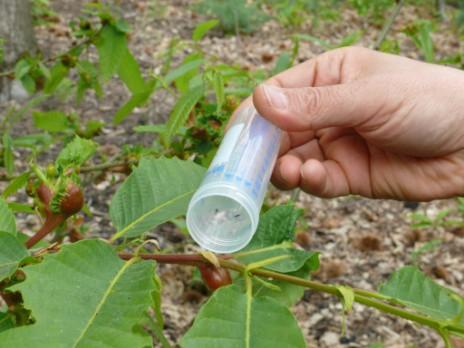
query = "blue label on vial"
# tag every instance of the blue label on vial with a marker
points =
(246, 155)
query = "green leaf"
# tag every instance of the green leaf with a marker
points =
(157, 323)
(136, 100)
(180, 113)
(376, 345)
(350, 39)
(21, 69)
(12, 252)
(44, 70)
(16, 184)
(231, 319)
(112, 46)
(88, 78)
(7, 321)
(427, 247)
(7, 219)
(57, 73)
(50, 121)
(32, 140)
(283, 63)
(84, 296)
(289, 293)
(218, 86)
(129, 73)
(202, 28)
(156, 191)
(76, 153)
(2, 50)
(151, 128)
(347, 294)
(122, 26)
(295, 260)
(410, 287)
(183, 78)
(21, 208)
(182, 70)
(28, 83)
(8, 158)
(275, 226)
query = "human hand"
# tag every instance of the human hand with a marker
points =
(362, 122)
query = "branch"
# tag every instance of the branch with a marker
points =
(387, 27)
(364, 297)
(178, 259)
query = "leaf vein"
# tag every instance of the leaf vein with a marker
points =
(104, 298)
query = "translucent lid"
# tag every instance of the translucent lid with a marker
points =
(220, 219)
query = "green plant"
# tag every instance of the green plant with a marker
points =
(460, 14)
(110, 285)
(444, 218)
(293, 13)
(420, 33)
(2, 50)
(374, 10)
(270, 274)
(390, 46)
(376, 345)
(42, 12)
(235, 17)
(426, 248)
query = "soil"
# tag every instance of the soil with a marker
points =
(361, 241)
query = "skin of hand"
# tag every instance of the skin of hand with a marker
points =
(357, 121)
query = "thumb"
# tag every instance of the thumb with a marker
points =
(312, 108)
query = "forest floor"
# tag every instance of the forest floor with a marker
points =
(360, 241)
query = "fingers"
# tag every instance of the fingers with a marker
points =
(332, 90)
(315, 108)
(324, 179)
(286, 175)
(287, 171)
(333, 67)
(309, 73)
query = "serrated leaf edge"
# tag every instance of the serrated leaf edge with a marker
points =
(152, 211)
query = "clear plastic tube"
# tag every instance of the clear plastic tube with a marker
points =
(223, 213)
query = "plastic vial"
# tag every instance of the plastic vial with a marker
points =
(223, 213)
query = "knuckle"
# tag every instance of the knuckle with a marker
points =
(309, 100)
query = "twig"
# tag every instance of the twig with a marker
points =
(88, 169)
(104, 166)
(387, 27)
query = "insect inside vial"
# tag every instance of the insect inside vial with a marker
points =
(222, 215)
